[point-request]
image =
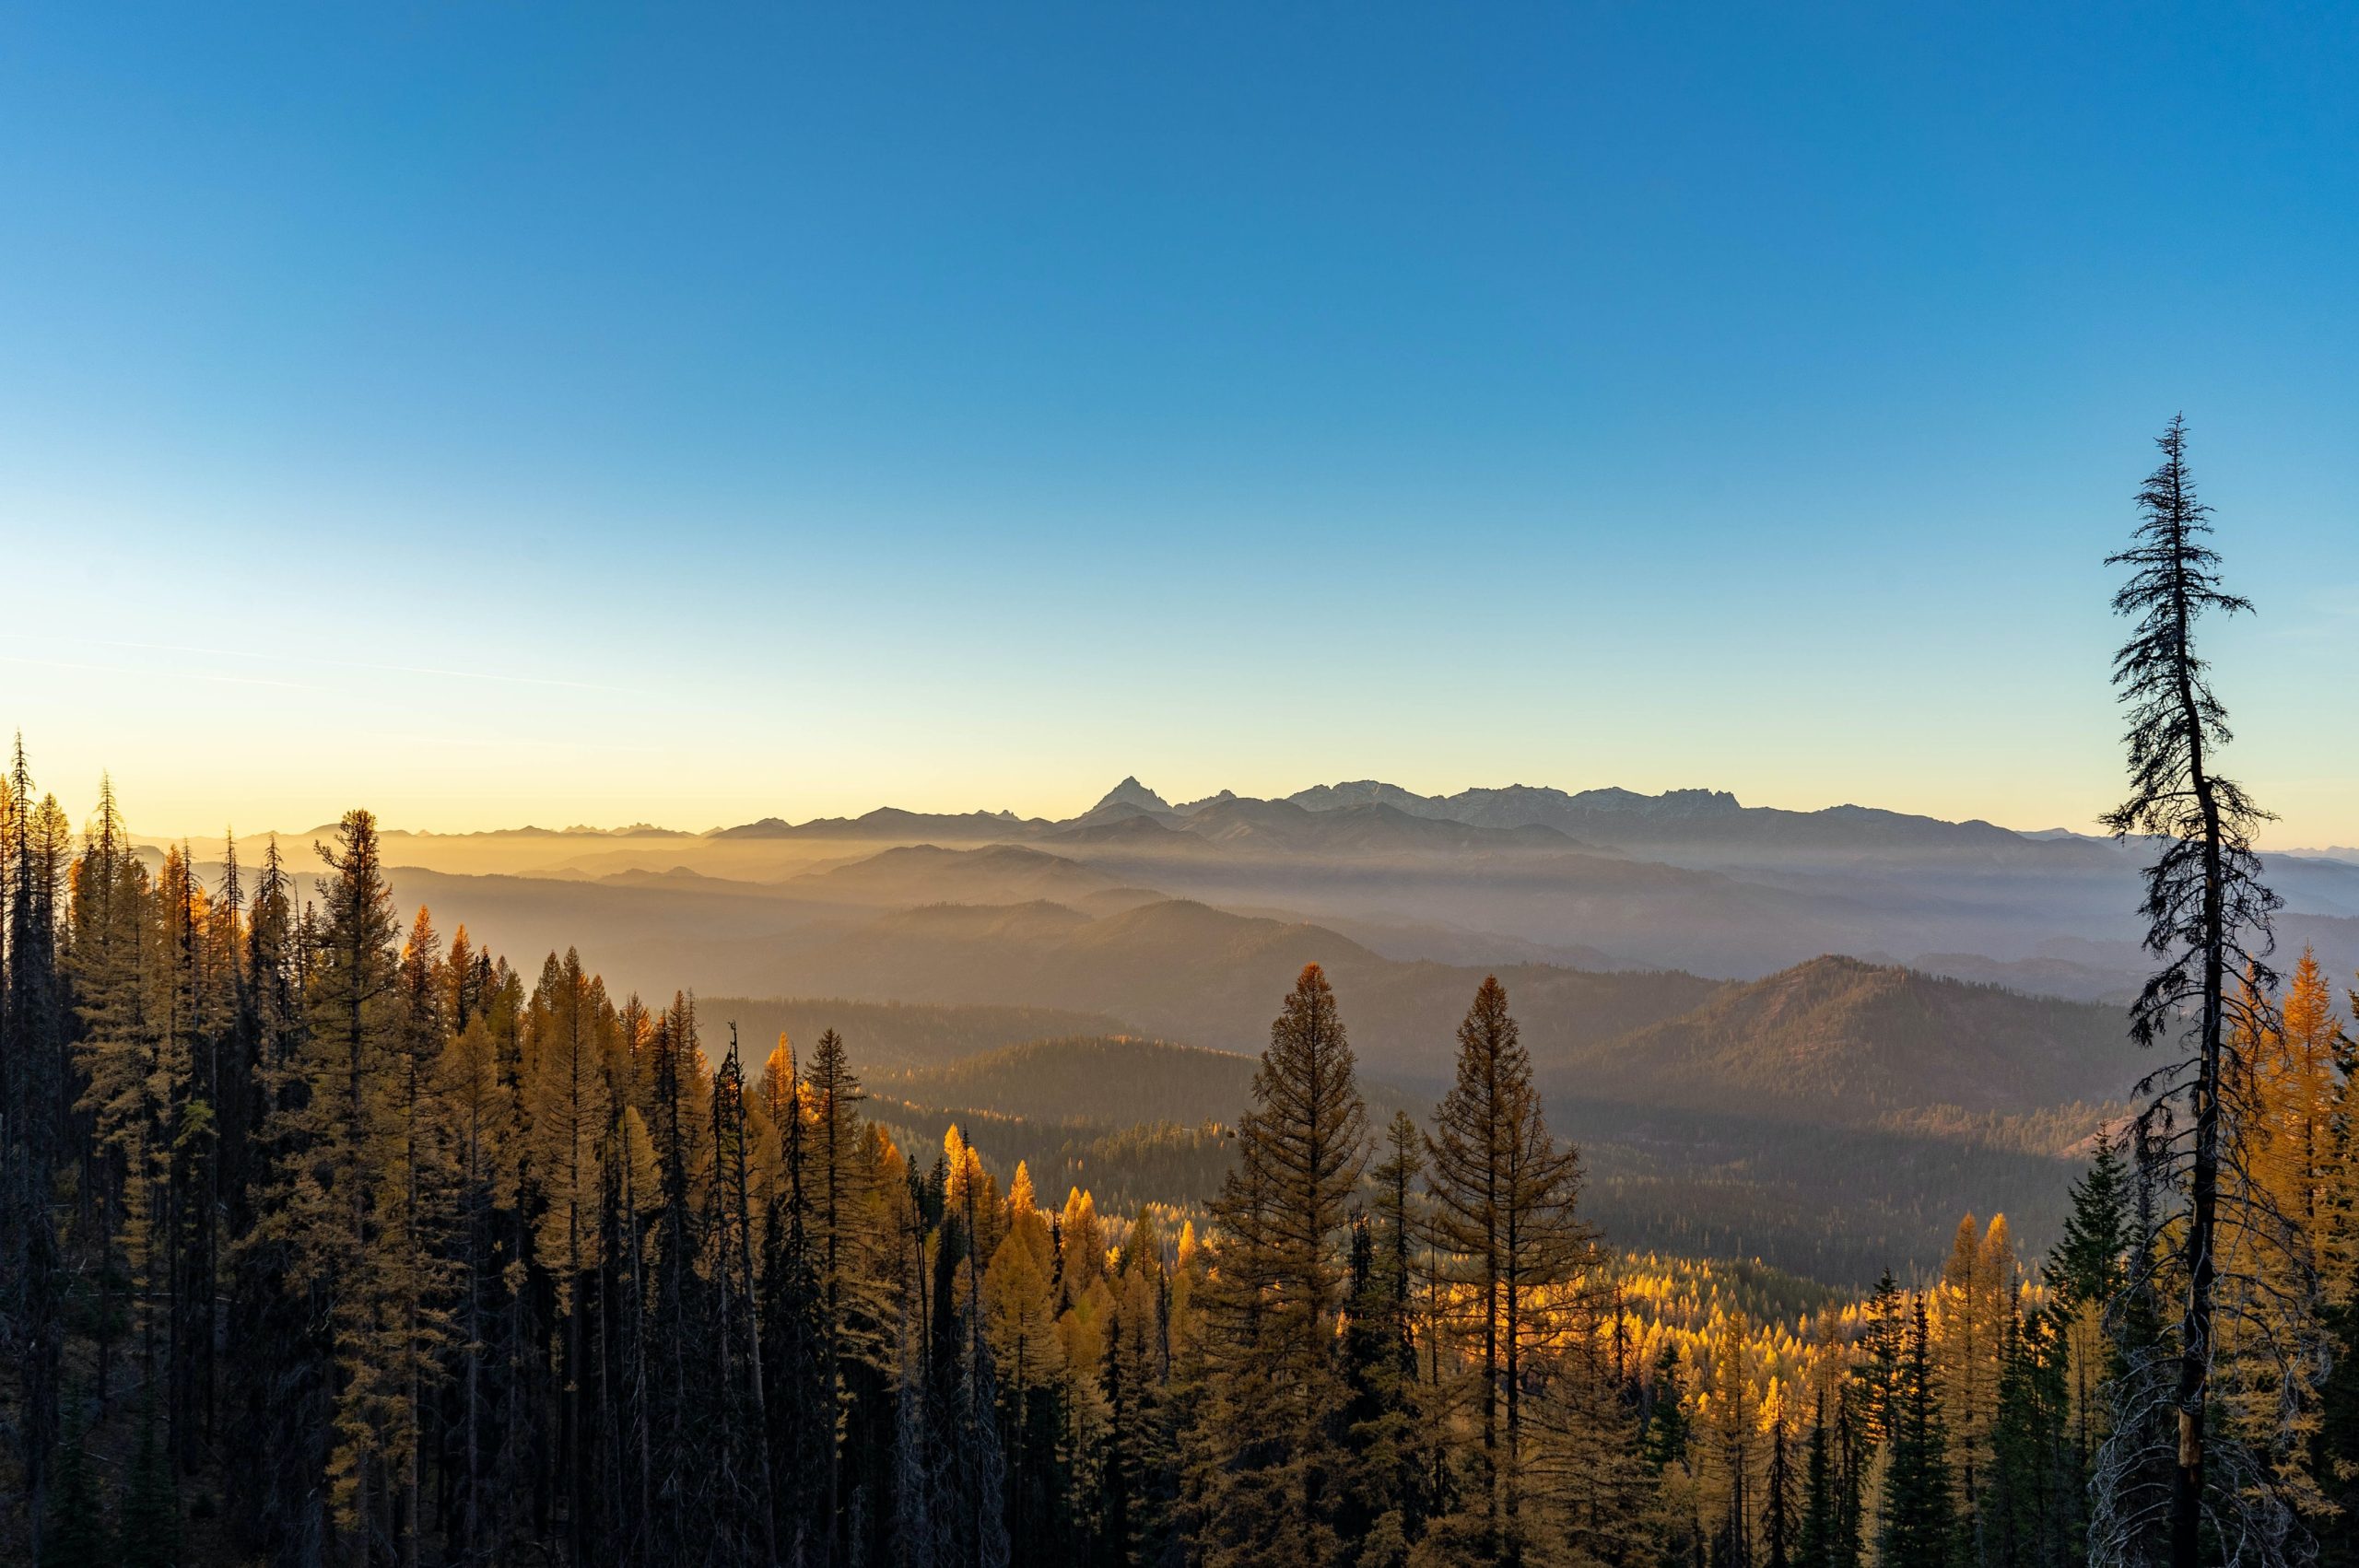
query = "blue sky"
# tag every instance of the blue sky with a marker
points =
(493, 413)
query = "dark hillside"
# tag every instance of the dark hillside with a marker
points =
(1111, 1079)
(883, 1036)
(1839, 1040)
(925, 873)
(1189, 972)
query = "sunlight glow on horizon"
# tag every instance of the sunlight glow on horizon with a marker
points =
(764, 414)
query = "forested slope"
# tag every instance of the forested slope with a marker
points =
(336, 1238)
(1837, 1040)
(1098, 1079)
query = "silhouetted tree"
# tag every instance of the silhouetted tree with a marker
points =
(1276, 1481)
(151, 1505)
(1506, 1211)
(2208, 918)
(77, 1536)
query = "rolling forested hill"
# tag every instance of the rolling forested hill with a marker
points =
(1002, 874)
(1190, 972)
(1823, 1119)
(1837, 1040)
(1832, 1038)
(891, 1034)
(1108, 1079)
(1695, 1097)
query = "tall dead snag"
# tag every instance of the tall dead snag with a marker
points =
(2207, 920)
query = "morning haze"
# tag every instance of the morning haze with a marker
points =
(1212, 786)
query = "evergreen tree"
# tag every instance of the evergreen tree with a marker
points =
(2208, 917)
(76, 1536)
(842, 1238)
(2030, 1517)
(346, 1175)
(2130, 1496)
(741, 1475)
(188, 1008)
(36, 1090)
(1665, 1440)
(801, 1440)
(1394, 1448)
(1667, 1452)
(1875, 1372)
(2084, 1274)
(1920, 1517)
(151, 1508)
(480, 1109)
(279, 1356)
(1505, 1210)
(1815, 1531)
(109, 968)
(567, 1029)
(1777, 1522)
(1854, 1452)
(1272, 1494)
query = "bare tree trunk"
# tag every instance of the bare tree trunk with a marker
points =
(2195, 1327)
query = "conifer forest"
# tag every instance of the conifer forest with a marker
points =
(334, 1238)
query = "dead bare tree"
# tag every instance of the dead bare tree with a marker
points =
(2174, 1484)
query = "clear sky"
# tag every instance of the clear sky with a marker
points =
(495, 413)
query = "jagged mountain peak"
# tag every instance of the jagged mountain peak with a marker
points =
(1529, 801)
(1130, 792)
(1670, 804)
(1365, 792)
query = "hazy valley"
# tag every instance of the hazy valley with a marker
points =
(1708, 991)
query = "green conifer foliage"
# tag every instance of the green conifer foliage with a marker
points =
(152, 1505)
(77, 1536)
(1814, 1534)
(1920, 1511)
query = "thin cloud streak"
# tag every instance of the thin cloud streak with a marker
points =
(366, 664)
(170, 673)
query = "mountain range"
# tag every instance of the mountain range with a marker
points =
(1598, 879)
(1759, 1023)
